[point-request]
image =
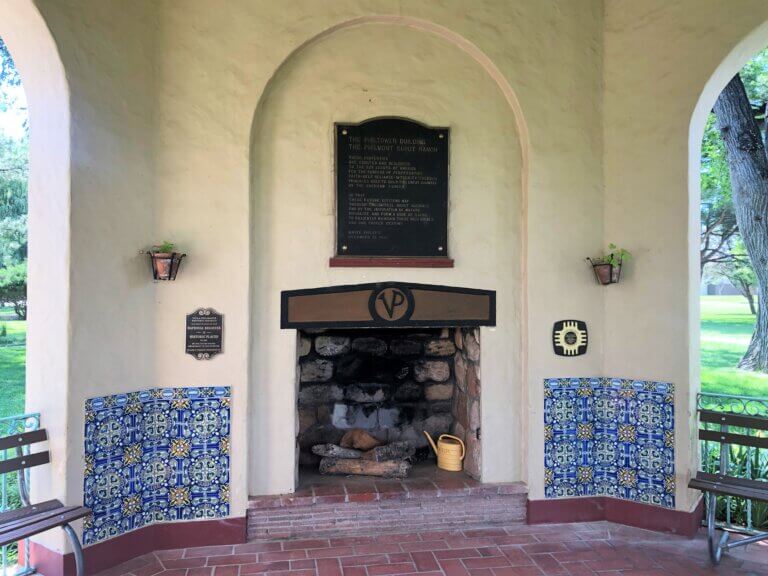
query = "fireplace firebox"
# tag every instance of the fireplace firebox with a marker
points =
(394, 384)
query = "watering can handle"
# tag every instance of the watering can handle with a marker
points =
(432, 442)
(463, 448)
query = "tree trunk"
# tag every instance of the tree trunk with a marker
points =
(746, 291)
(748, 168)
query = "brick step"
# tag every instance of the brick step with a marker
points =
(385, 506)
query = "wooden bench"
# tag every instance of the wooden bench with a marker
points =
(24, 522)
(723, 484)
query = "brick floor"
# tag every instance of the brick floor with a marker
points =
(582, 549)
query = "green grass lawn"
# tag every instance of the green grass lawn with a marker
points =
(726, 327)
(13, 356)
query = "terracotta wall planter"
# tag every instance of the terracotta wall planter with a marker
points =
(606, 273)
(165, 265)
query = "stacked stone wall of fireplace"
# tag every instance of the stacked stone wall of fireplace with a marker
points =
(393, 383)
(466, 404)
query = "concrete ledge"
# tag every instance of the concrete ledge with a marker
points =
(627, 512)
(166, 536)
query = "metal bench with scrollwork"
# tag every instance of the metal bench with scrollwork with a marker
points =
(16, 525)
(721, 483)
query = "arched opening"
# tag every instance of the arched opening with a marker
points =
(731, 336)
(727, 374)
(36, 58)
(14, 169)
(418, 71)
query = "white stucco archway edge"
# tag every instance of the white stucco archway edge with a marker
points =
(745, 50)
(36, 56)
(522, 136)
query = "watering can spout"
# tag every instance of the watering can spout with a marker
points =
(431, 442)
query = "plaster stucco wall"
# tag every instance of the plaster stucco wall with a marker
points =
(214, 66)
(357, 73)
(169, 139)
(164, 100)
(36, 56)
(107, 52)
(659, 59)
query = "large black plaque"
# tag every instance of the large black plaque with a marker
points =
(391, 189)
(205, 332)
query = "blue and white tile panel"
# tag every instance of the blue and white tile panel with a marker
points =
(610, 437)
(155, 456)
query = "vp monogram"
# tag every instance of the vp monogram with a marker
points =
(392, 304)
(396, 299)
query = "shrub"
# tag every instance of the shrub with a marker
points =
(13, 288)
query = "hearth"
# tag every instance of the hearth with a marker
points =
(392, 383)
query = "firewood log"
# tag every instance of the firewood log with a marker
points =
(334, 451)
(359, 440)
(391, 451)
(388, 469)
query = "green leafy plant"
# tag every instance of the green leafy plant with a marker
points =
(163, 247)
(743, 462)
(13, 288)
(614, 257)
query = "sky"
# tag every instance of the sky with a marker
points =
(12, 120)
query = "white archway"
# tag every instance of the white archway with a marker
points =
(263, 438)
(745, 50)
(735, 60)
(36, 56)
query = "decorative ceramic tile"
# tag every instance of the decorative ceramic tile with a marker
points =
(610, 437)
(155, 456)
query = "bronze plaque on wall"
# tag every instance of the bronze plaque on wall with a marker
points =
(387, 304)
(391, 189)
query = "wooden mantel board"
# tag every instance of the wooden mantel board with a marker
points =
(387, 304)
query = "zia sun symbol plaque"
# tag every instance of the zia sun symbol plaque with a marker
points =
(569, 338)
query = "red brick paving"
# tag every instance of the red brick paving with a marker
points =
(582, 549)
(329, 506)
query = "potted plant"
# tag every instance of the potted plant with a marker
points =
(165, 260)
(607, 268)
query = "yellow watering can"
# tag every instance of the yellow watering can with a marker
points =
(450, 451)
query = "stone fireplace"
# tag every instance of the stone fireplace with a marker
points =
(394, 383)
(394, 360)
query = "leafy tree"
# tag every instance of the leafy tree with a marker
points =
(13, 240)
(754, 76)
(8, 73)
(735, 195)
(738, 271)
(14, 172)
(13, 288)
(718, 221)
(10, 80)
(748, 168)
